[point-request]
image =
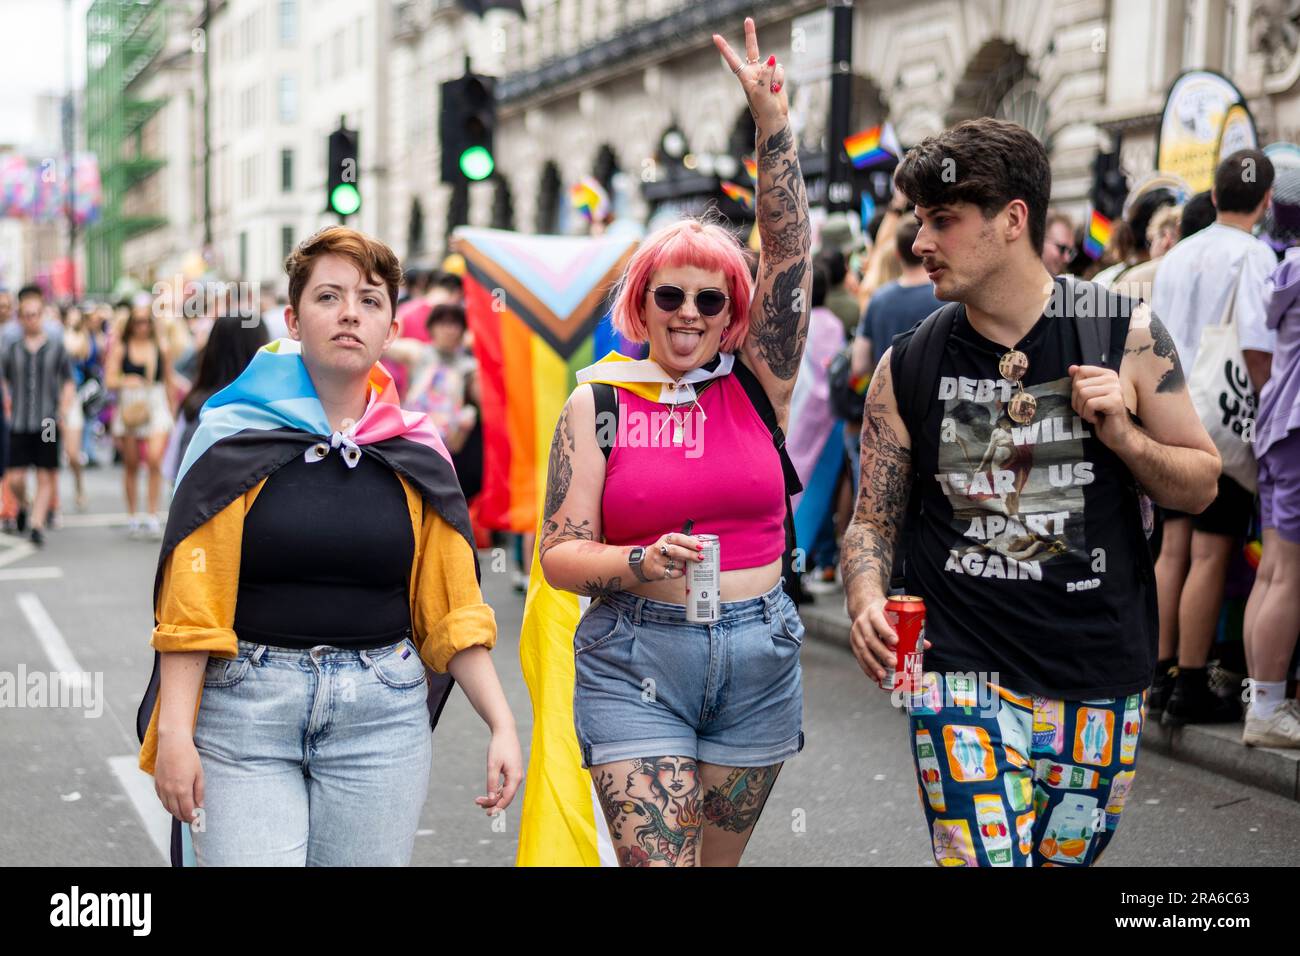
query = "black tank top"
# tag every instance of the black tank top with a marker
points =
(130, 368)
(326, 557)
(1024, 547)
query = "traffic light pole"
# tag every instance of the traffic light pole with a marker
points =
(839, 178)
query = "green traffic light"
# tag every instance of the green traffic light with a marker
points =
(476, 163)
(345, 199)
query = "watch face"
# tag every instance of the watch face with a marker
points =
(636, 556)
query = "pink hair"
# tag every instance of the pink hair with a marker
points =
(690, 242)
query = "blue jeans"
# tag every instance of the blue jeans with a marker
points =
(316, 758)
(648, 683)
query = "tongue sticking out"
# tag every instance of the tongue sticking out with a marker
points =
(684, 343)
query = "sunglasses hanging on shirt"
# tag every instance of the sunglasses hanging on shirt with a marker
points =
(1013, 366)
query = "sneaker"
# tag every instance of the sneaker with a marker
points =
(1158, 696)
(152, 529)
(1192, 702)
(820, 581)
(38, 537)
(22, 520)
(1280, 730)
(134, 528)
(52, 522)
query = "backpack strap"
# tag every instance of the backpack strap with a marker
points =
(606, 411)
(763, 405)
(918, 371)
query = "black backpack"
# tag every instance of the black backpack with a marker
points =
(607, 405)
(918, 375)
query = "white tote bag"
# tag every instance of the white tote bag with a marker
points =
(1223, 396)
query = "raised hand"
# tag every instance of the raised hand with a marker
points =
(762, 80)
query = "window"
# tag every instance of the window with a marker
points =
(288, 98)
(286, 241)
(288, 22)
(286, 170)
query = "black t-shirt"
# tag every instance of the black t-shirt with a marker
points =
(326, 557)
(1026, 544)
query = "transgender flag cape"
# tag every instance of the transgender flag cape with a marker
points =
(258, 423)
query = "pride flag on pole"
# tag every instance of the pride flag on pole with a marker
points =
(872, 146)
(1094, 243)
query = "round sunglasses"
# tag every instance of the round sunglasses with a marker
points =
(709, 301)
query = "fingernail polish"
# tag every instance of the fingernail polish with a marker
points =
(771, 60)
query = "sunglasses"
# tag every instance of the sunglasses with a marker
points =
(709, 301)
(1013, 367)
(1067, 252)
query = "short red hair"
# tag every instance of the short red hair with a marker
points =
(690, 242)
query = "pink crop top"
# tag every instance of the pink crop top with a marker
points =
(725, 476)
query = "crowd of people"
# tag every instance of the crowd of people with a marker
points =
(90, 384)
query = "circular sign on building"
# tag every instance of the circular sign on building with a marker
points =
(1203, 113)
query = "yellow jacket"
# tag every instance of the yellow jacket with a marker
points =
(196, 602)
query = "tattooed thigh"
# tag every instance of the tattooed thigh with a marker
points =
(652, 808)
(734, 798)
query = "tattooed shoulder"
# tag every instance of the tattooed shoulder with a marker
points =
(1149, 337)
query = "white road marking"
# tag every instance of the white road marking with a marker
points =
(30, 574)
(51, 641)
(138, 786)
(17, 553)
(105, 520)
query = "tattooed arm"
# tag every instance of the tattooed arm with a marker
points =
(573, 558)
(1169, 454)
(781, 304)
(867, 554)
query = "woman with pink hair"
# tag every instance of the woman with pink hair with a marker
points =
(634, 466)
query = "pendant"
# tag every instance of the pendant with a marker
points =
(1013, 365)
(1022, 408)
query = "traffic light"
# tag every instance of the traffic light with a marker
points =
(465, 127)
(342, 187)
(1109, 185)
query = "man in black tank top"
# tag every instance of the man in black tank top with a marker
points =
(1018, 433)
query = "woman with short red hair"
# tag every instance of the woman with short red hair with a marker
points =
(684, 726)
(316, 592)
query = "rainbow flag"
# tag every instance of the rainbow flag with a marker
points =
(739, 194)
(1094, 243)
(751, 167)
(872, 146)
(589, 199)
(537, 307)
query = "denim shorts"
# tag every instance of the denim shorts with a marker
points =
(649, 683)
(313, 757)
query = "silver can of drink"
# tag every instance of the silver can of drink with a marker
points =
(702, 581)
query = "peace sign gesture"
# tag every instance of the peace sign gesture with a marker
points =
(762, 80)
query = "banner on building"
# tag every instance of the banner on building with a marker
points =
(38, 189)
(1205, 118)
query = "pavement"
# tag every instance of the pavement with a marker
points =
(1215, 747)
(71, 794)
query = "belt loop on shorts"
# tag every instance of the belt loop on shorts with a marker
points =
(636, 611)
(365, 658)
(256, 656)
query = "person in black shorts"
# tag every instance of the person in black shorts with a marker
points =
(37, 375)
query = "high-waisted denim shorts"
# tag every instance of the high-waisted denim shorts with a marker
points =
(648, 683)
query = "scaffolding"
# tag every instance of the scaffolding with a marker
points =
(123, 37)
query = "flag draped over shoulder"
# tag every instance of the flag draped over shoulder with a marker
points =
(538, 307)
(259, 423)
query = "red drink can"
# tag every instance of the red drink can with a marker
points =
(906, 615)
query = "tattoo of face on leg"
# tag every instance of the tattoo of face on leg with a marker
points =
(660, 802)
(1172, 380)
(736, 804)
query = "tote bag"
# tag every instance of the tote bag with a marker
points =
(1223, 396)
